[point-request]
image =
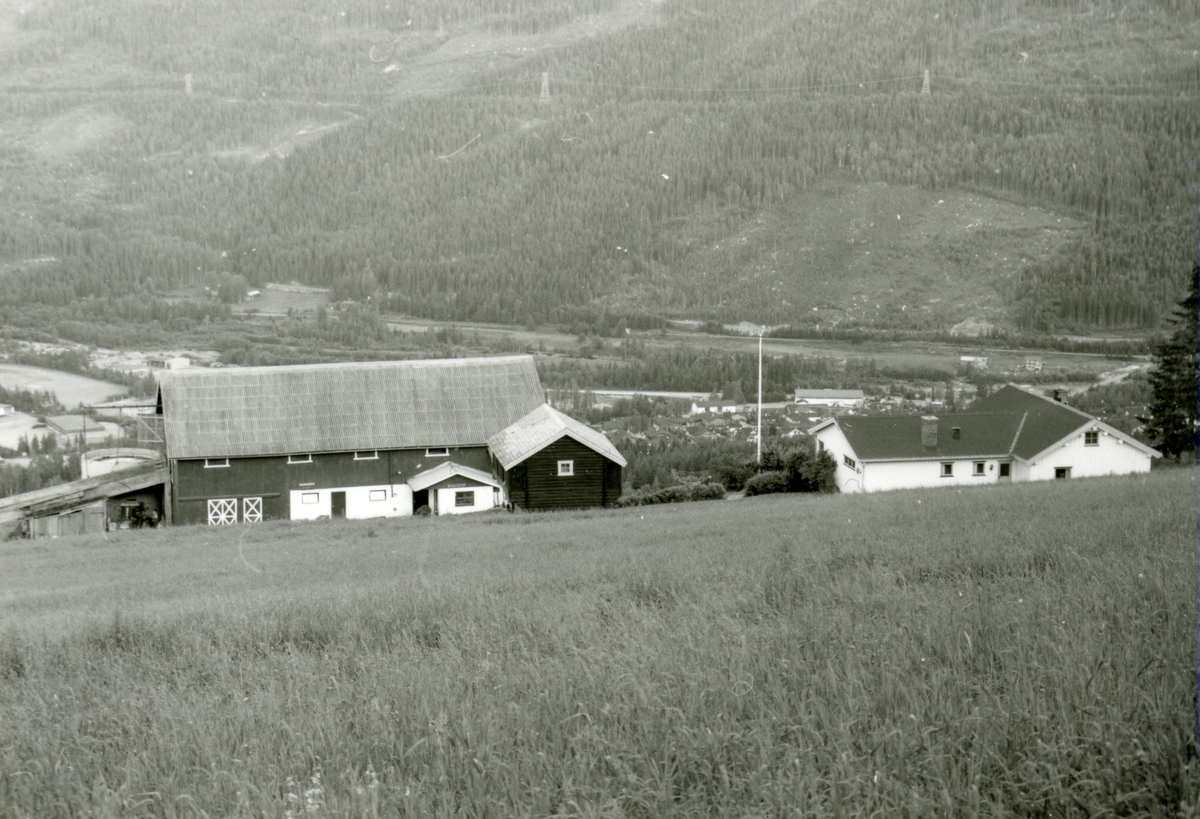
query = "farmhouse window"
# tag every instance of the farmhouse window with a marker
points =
(251, 510)
(215, 463)
(1091, 438)
(378, 494)
(848, 461)
(437, 452)
(979, 467)
(1005, 470)
(465, 498)
(1062, 473)
(566, 469)
(373, 455)
(947, 470)
(222, 511)
(309, 498)
(300, 459)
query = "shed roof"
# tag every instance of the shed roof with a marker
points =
(539, 429)
(343, 407)
(447, 470)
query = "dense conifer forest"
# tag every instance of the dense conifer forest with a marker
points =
(692, 158)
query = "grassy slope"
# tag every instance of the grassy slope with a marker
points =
(1026, 649)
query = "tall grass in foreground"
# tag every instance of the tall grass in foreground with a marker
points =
(1021, 650)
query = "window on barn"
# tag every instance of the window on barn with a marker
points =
(1091, 438)
(300, 459)
(465, 498)
(566, 469)
(373, 455)
(377, 494)
(979, 467)
(1062, 473)
(215, 463)
(437, 452)
(848, 461)
(309, 498)
(1005, 470)
(947, 470)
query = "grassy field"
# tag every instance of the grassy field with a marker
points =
(1021, 650)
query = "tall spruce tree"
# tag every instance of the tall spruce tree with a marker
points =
(1174, 380)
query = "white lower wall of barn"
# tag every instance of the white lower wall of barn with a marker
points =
(485, 498)
(396, 502)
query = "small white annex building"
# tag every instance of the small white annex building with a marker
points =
(831, 398)
(1012, 435)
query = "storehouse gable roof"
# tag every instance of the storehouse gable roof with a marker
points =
(257, 411)
(539, 429)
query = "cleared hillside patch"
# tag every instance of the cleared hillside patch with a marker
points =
(1018, 650)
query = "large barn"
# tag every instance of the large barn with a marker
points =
(347, 440)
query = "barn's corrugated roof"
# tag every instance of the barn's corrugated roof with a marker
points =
(539, 429)
(255, 411)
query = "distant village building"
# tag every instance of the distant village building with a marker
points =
(979, 362)
(1011, 435)
(159, 362)
(711, 406)
(831, 398)
(7, 409)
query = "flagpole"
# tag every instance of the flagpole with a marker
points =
(758, 454)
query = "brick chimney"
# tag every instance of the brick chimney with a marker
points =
(929, 424)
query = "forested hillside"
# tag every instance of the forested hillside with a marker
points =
(757, 160)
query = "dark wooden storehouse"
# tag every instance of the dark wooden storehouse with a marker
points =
(547, 460)
(335, 440)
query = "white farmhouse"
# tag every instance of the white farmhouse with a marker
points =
(1012, 435)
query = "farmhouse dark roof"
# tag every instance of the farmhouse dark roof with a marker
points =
(256, 411)
(1048, 423)
(539, 429)
(898, 437)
